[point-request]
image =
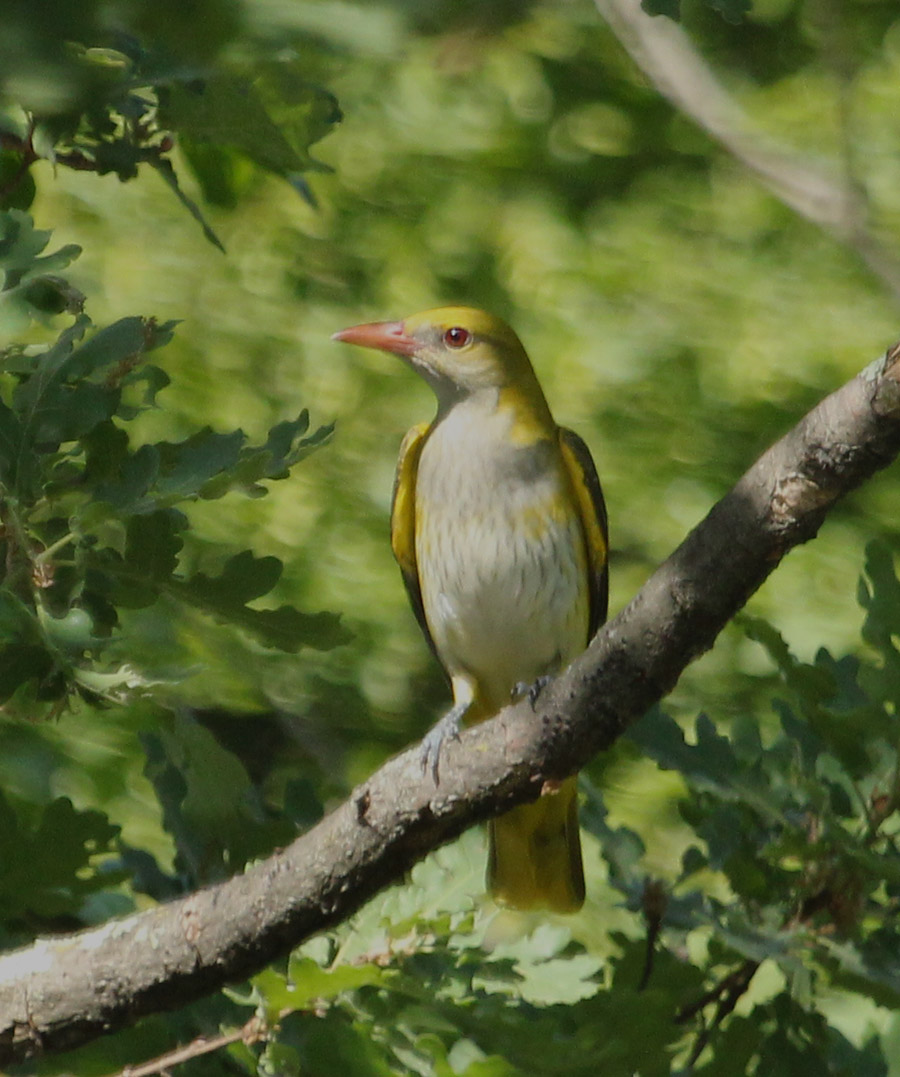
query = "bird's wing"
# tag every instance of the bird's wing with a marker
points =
(592, 510)
(403, 521)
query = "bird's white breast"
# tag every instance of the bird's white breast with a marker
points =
(500, 551)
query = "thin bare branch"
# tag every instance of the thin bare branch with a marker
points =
(252, 1032)
(818, 189)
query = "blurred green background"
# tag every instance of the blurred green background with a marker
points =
(509, 156)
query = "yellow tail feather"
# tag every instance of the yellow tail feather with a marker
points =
(535, 854)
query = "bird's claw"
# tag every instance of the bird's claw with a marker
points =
(532, 690)
(448, 728)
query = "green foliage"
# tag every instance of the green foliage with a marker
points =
(50, 866)
(508, 155)
(271, 118)
(108, 104)
(212, 809)
(787, 896)
(31, 287)
(92, 525)
(433, 994)
(669, 8)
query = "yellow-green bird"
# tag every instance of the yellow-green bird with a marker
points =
(499, 527)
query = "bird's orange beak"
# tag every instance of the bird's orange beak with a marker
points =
(388, 336)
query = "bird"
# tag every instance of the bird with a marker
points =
(499, 526)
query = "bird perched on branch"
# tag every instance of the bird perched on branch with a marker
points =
(499, 527)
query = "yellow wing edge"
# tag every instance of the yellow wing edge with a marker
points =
(403, 520)
(582, 474)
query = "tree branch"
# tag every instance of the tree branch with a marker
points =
(821, 191)
(64, 991)
(253, 1031)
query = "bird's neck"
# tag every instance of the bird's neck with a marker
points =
(521, 412)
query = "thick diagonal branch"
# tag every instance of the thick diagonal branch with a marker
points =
(64, 991)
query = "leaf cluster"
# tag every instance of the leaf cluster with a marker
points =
(118, 104)
(429, 992)
(800, 824)
(93, 524)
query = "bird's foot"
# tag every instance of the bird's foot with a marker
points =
(532, 690)
(448, 728)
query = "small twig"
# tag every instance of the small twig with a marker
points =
(254, 1031)
(726, 994)
(653, 906)
(741, 975)
(47, 554)
(824, 195)
(879, 807)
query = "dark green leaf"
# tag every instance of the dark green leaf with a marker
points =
(813, 683)
(152, 544)
(52, 295)
(670, 8)
(881, 627)
(284, 447)
(20, 242)
(829, 697)
(149, 380)
(17, 188)
(623, 849)
(245, 578)
(137, 579)
(146, 875)
(136, 474)
(289, 629)
(10, 444)
(187, 465)
(710, 764)
(871, 970)
(20, 663)
(733, 11)
(66, 412)
(121, 341)
(55, 404)
(47, 868)
(106, 447)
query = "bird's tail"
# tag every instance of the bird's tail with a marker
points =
(535, 854)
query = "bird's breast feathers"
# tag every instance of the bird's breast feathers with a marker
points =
(500, 553)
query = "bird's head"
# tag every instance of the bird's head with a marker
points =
(457, 350)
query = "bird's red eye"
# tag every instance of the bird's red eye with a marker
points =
(457, 337)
